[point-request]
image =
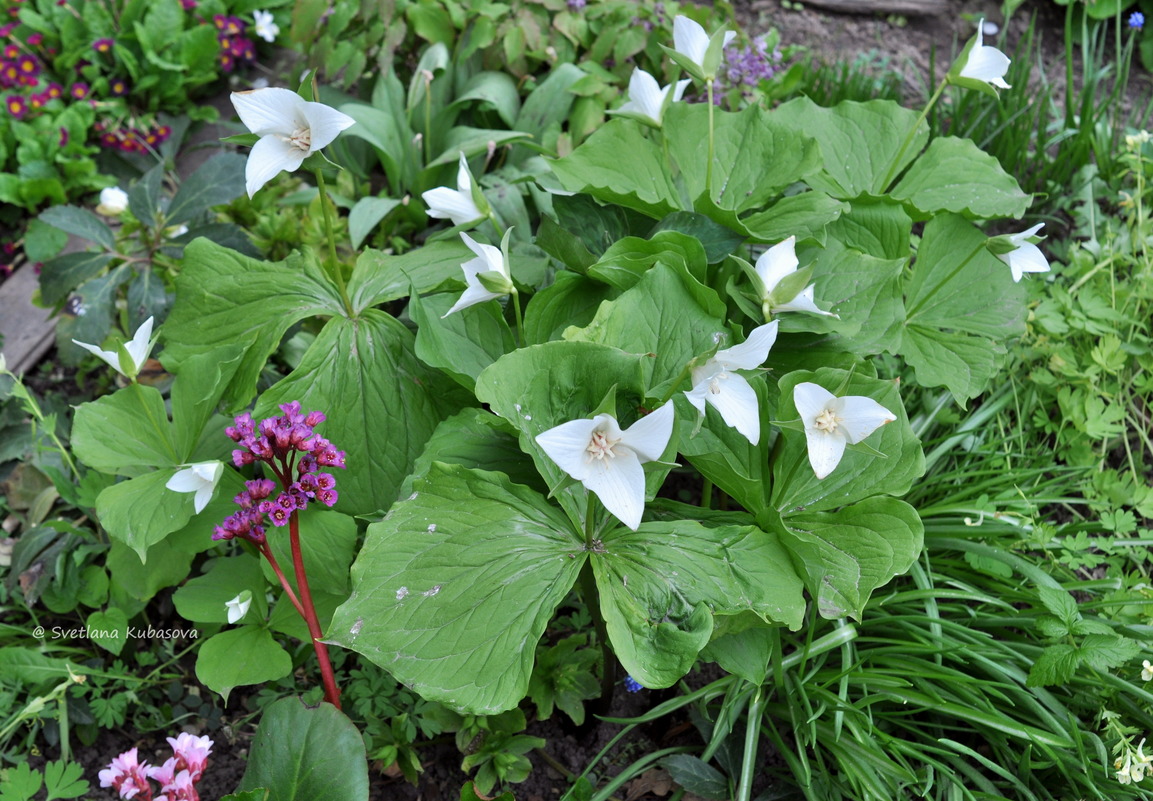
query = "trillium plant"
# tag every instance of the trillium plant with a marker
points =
(699, 290)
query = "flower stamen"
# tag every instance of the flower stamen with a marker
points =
(827, 421)
(601, 446)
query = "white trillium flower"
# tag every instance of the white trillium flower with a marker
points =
(113, 201)
(238, 606)
(200, 478)
(1025, 257)
(454, 204)
(265, 28)
(986, 64)
(1146, 670)
(831, 423)
(129, 357)
(608, 461)
(490, 263)
(731, 394)
(647, 98)
(773, 266)
(290, 129)
(691, 41)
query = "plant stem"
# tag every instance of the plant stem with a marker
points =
(706, 494)
(896, 165)
(752, 736)
(591, 597)
(519, 321)
(331, 693)
(267, 551)
(709, 165)
(330, 230)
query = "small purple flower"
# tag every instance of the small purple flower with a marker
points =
(1137, 20)
(576, 5)
(632, 685)
(103, 45)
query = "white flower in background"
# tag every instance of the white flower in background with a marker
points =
(986, 64)
(608, 461)
(691, 41)
(773, 266)
(1146, 670)
(730, 393)
(1025, 256)
(487, 276)
(290, 129)
(265, 28)
(238, 606)
(113, 201)
(200, 478)
(129, 357)
(647, 99)
(831, 423)
(454, 204)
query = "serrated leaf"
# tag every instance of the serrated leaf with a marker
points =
(1055, 665)
(1060, 603)
(1108, 651)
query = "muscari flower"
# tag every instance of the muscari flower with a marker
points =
(647, 100)
(458, 205)
(113, 201)
(1025, 257)
(773, 266)
(987, 64)
(264, 27)
(607, 460)
(831, 423)
(238, 607)
(1137, 20)
(129, 357)
(717, 383)
(487, 276)
(290, 129)
(632, 685)
(200, 478)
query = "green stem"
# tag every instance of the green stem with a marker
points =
(752, 736)
(706, 494)
(519, 318)
(330, 230)
(709, 166)
(680, 379)
(948, 278)
(592, 600)
(896, 165)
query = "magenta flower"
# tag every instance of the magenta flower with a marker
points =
(191, 753)
(127, 776)
(79, 90)
(63, 137)
(35, 39)
(103, 45)
(16, 106)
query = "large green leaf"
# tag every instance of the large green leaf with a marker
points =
(241, 656)
(626, 260)
(63, 274)
(142, 577)
(452, 597)
(327, 544)
(380, 277)
(804, 216)
(571, 299)
(463, 343)
(864, 145)
(755, 157)
(203, 598)
(849, 553)
(140, 512)
(962, 307)
(661, 585)
(125, 432)
(200, 382)
(860, 474)
(876, 226)
(80, 222)
(668, 314)
(956, 175)
(382, 404)
(224, 298)
(303, 753)
(640, 182)
(219, 180)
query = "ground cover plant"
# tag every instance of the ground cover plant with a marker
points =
(571, 423)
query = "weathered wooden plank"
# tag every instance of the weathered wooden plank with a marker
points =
(909, 8)
(28, 330)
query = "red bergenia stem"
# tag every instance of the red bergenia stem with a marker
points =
(267, 551)
(331, 693)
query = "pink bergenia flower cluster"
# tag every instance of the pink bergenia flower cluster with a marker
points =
(295, 453)
(177, 776)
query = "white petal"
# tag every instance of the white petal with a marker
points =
(324, 124)
(463, 177)
(202, 497)
(645, 95)
(113, 359)
(696, 395)
(650, 435)
(1027, 258)
(1024, 236)
(810, 400)
(491, 257)
(825, 450)
(986, 64)
(475, 293)
(858, 416)
(737, 403)
(184, 480)
(444, 203)
(141, 344)
(620, 484)
(268, 157)
(751, 353)
(803, 302)
(567, 445)
(729, 36)
(679, 89)
(271, 110)
(690, 39)
(777, 262)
